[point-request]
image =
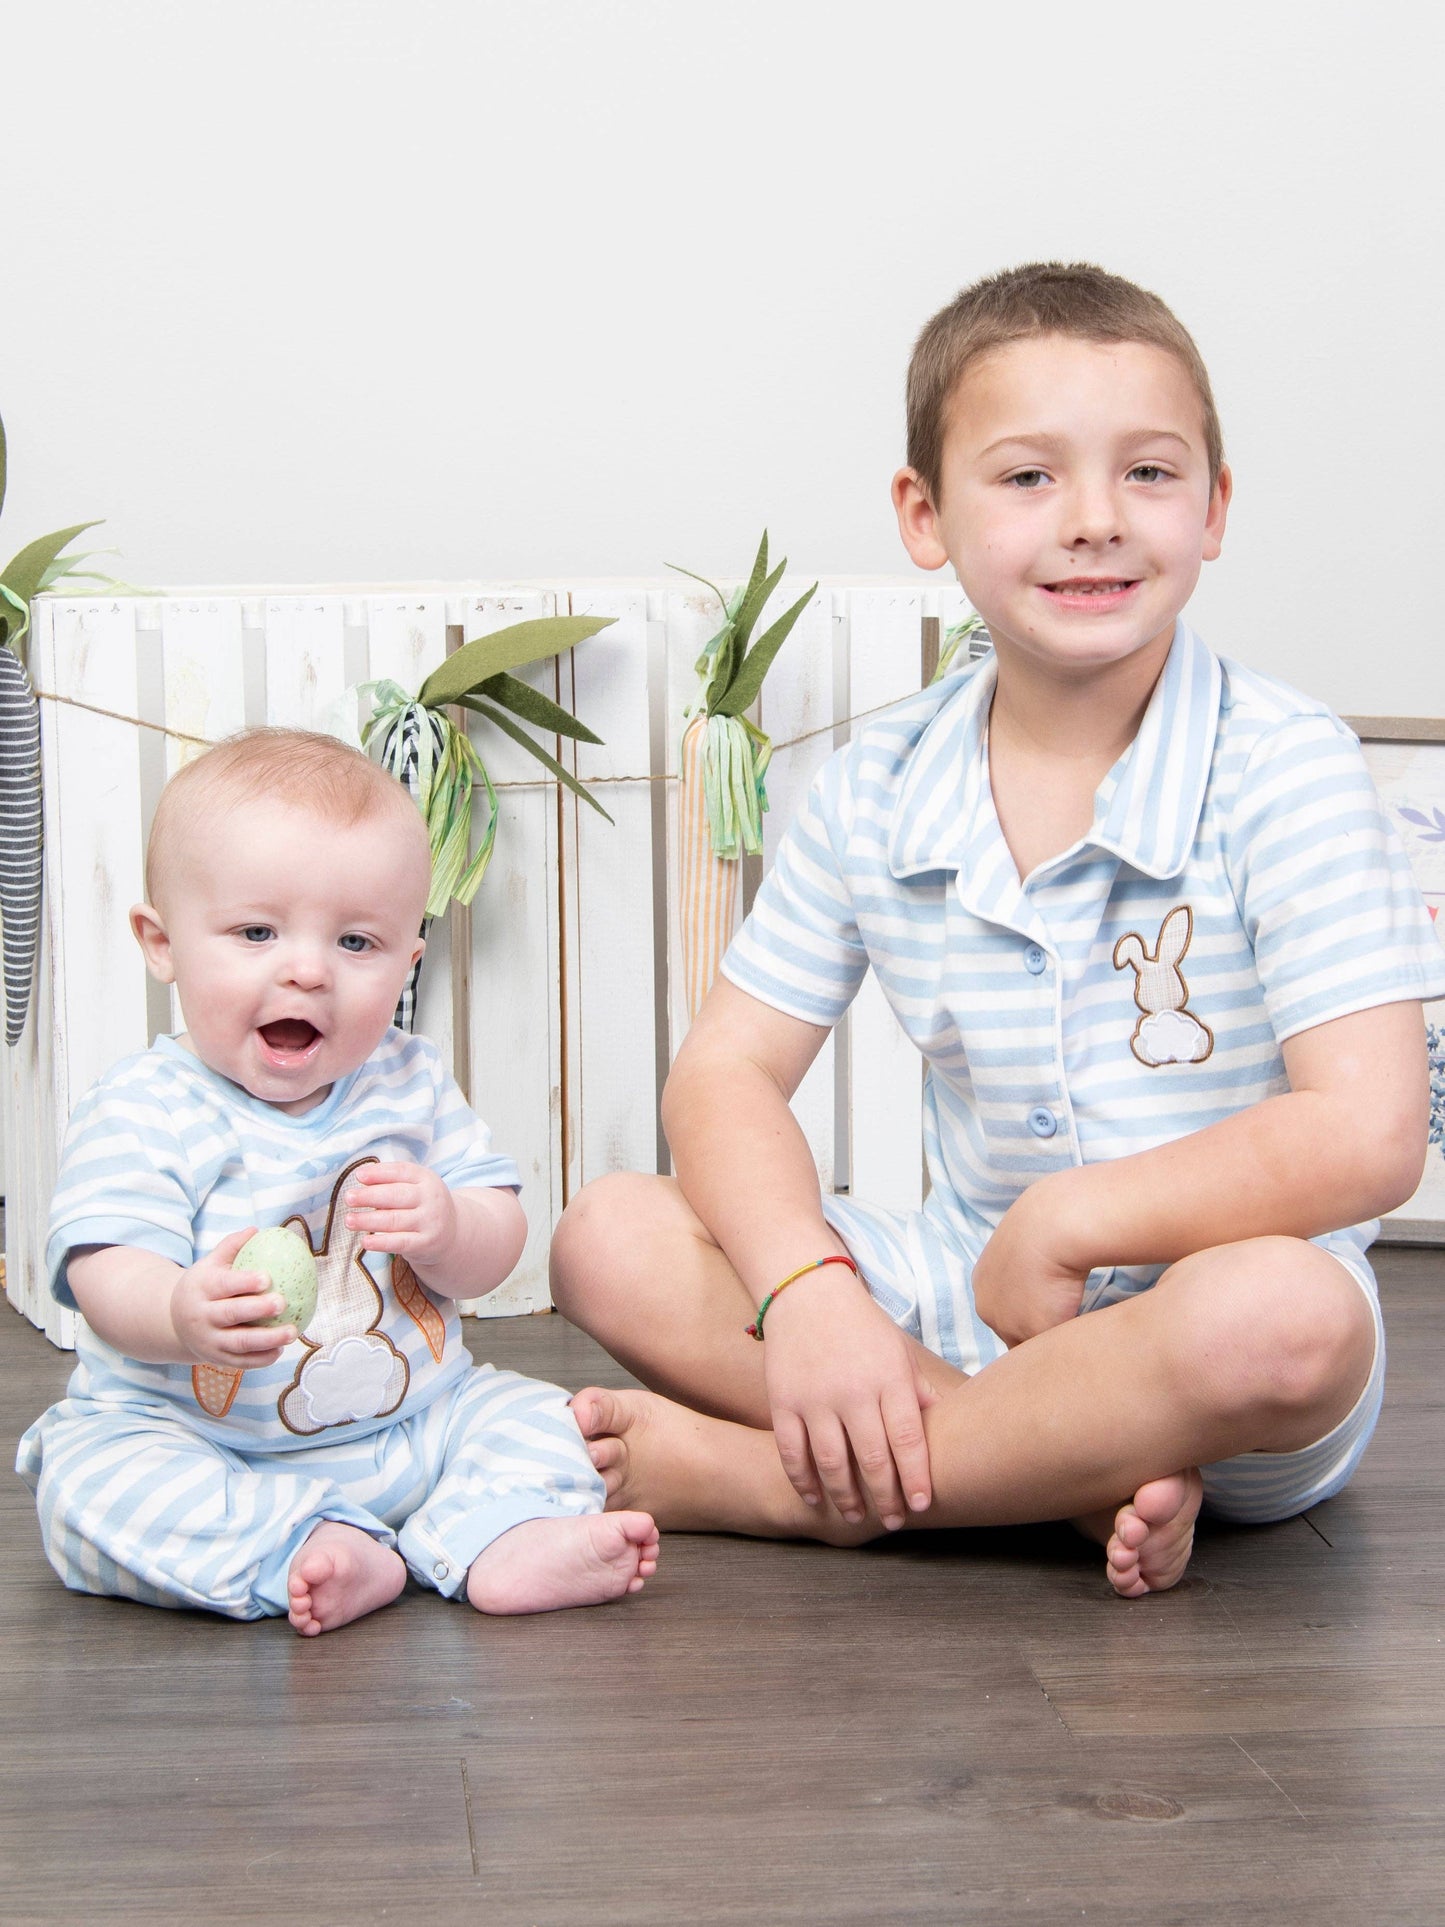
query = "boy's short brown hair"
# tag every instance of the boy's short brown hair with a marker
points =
(299, 766)
(1043, 298)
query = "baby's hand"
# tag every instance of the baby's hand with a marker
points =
(1025, 1282)
(214, 1310)
(403, 1209)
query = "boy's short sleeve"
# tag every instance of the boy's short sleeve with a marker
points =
(800, 949)
(1324, 888)
(124, 1180)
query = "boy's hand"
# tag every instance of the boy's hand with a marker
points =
(214, 1311)
(1025, 1281)
(402, 1209)
(847, 1401)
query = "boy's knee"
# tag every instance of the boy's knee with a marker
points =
(594, 1233)
(1282, 1323)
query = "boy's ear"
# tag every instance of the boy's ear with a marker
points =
(1218, 514)
(420, 947)
(150, 934)
(917, 520)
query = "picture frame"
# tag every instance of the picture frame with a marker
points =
(1406, 758)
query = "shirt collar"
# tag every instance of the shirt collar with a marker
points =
(1147, 808)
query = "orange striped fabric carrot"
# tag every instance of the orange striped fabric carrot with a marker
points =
(708, 884)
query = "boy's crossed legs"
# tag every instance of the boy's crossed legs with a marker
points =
(1260, 1347)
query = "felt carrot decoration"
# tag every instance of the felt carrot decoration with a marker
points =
(415, 739)
(722, 794)
(36, 567)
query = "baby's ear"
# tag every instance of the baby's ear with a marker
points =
(150, 934)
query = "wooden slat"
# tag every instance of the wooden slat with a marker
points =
(514, 1022)
(203, 671)
(305, 660)
(610, 987)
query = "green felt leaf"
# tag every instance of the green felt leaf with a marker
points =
(755, 600)
(724, 668)
(23, 574)
(532, 706)
(759, 660)
(530, 744)
(509, 648)
(755, 582)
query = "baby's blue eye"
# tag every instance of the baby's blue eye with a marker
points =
(354, 942)
(257, 933)
(1148, 472)
(1028, 478)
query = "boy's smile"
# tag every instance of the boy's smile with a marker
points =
(1075, 501)
(289, 938)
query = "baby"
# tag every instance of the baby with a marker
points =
(202, 1458)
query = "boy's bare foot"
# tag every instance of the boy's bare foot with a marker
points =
(1148, 1542)
(543, 1564)
(659, 1455)
(340, 1574)
(694, 1473)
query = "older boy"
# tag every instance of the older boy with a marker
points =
(1141, 912)
(199, 1458)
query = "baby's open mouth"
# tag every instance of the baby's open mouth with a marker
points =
(289, 1036)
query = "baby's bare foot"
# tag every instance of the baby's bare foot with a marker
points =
(1153, 1535)
(340, 1574)
(546, 1563)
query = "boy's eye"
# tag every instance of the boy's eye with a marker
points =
(354, 942)
(1028, 478)
(257, 933)
(1148, 472)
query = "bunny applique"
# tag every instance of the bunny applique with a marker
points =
(1168, 1032)
(348, 1370)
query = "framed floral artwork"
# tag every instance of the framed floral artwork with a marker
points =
(1406, 755)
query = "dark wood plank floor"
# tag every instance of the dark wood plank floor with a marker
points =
(965, 1728)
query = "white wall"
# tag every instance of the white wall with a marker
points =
(457, 289)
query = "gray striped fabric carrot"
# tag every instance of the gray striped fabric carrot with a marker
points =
(19, 838)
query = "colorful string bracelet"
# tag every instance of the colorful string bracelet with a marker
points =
(755, 1330)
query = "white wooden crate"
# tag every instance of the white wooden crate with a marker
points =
(557, 997)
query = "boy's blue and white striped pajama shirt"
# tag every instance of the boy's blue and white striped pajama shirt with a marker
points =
(1240, 883)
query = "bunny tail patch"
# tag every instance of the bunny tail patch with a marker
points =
(1168, 1032)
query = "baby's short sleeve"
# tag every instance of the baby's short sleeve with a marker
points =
(1324, 888)
(800, 949)
(461, 1151)
(124, 1179)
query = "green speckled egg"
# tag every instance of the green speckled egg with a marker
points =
(286, 1260)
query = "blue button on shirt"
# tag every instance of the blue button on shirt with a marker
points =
(1043, 1123)
(1036, 961)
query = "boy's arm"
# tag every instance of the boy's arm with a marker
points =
(163, 1313)
(1344, 1143)
(461, 1244)
(841, 1377)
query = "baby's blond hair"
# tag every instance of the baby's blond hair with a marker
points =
(1044, 298)
(298, 766)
